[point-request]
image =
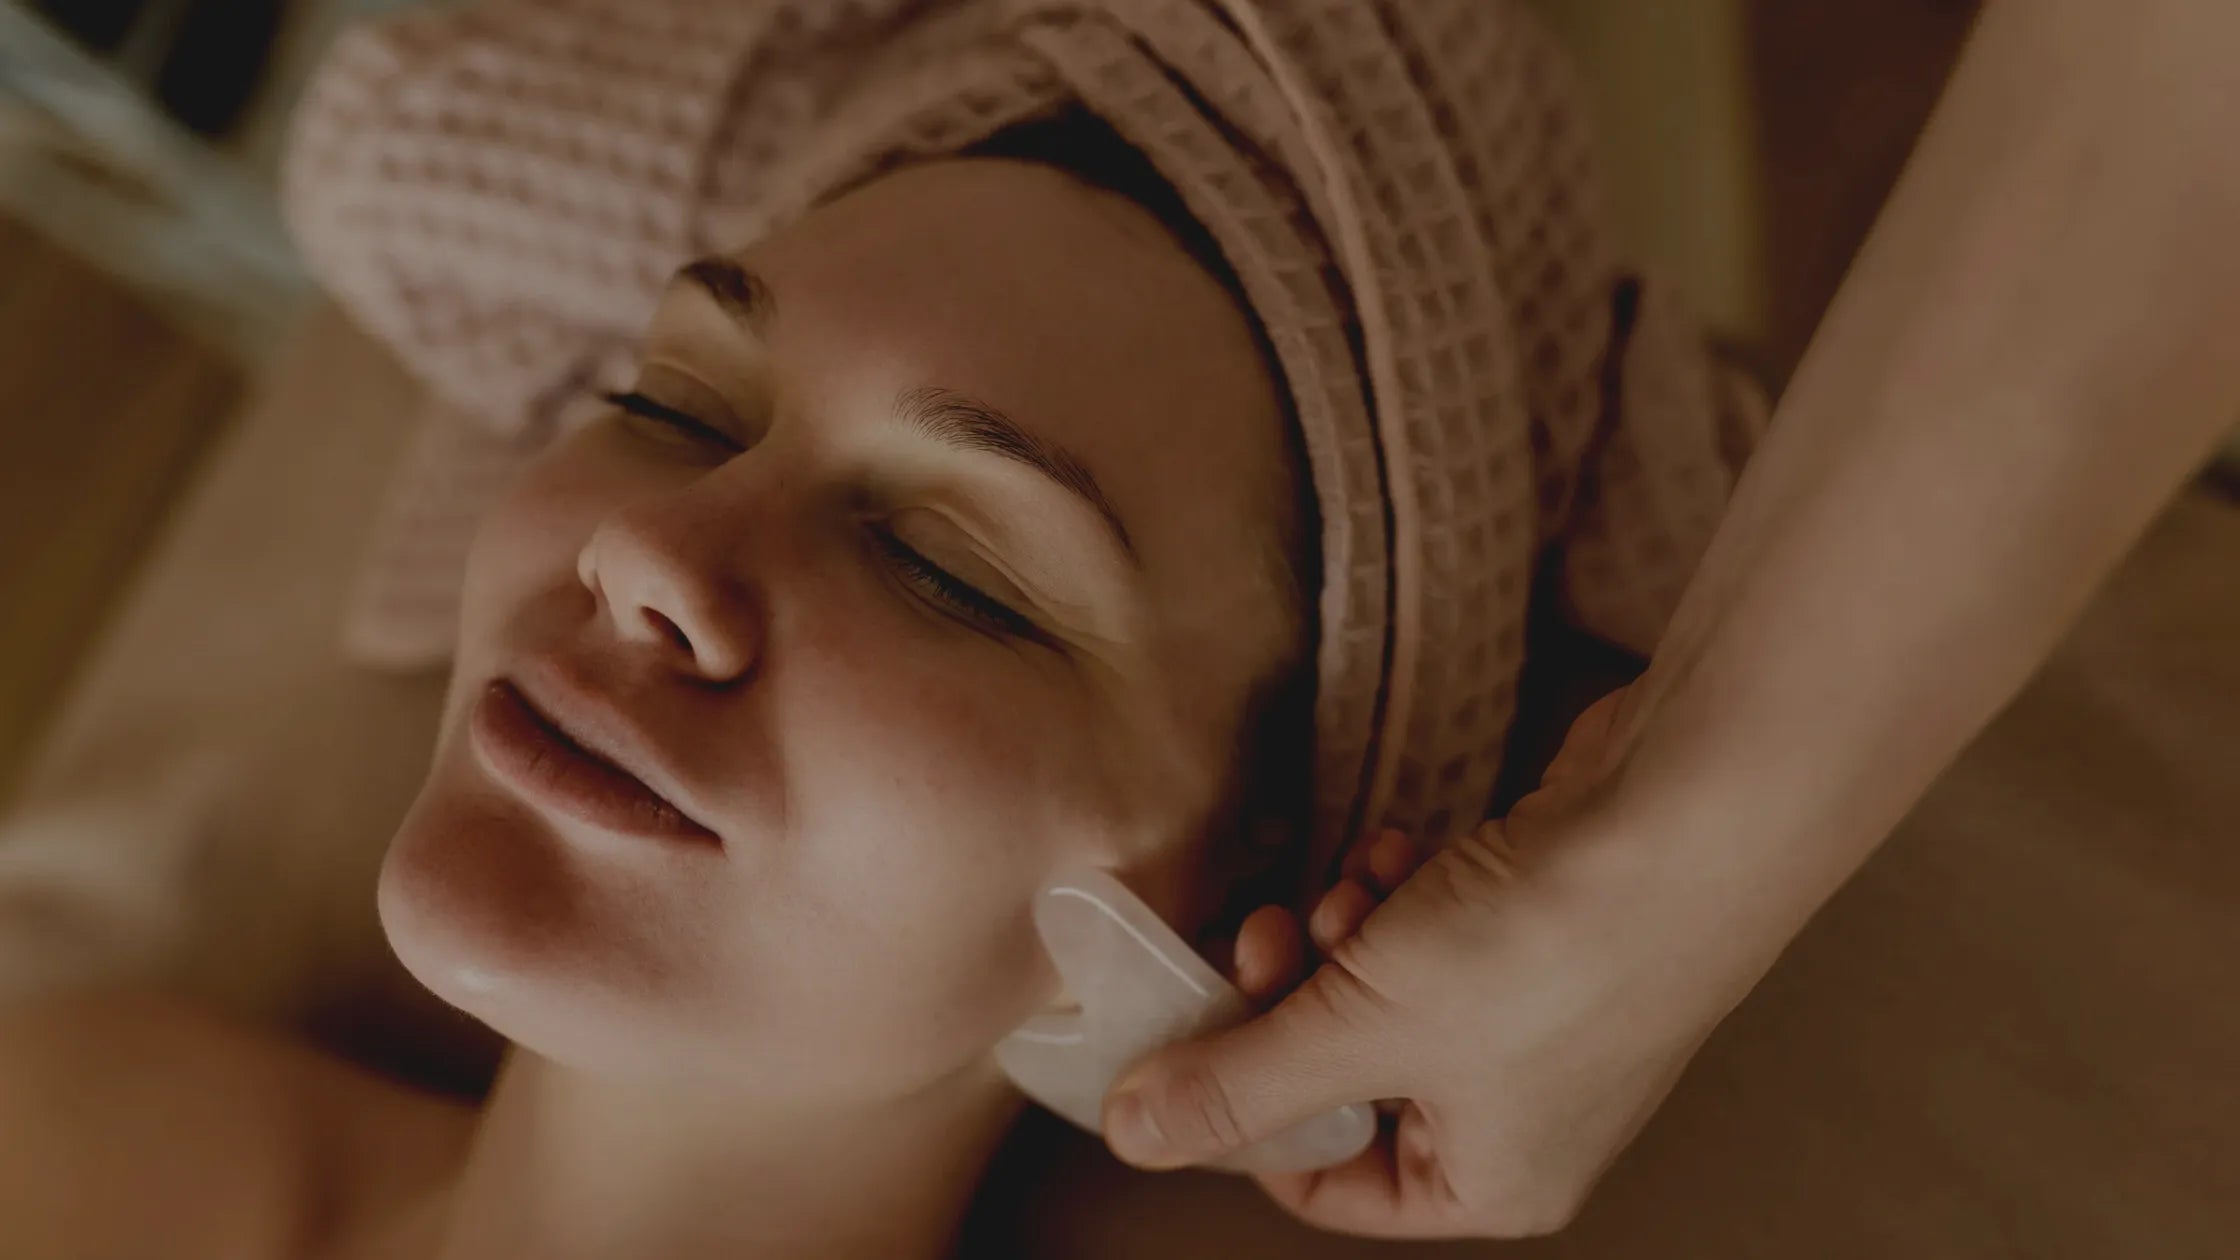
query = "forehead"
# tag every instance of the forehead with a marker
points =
(1069, 309)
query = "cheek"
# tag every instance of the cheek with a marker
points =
(941, 724)
(538, 527)
(935, 781)
(523, 557)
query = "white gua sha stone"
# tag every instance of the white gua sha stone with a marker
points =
(1140, 987)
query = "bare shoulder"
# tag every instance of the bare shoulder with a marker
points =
(141, 1121)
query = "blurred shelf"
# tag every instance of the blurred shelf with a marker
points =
(144, 278)
(88, 162)
(111, 406)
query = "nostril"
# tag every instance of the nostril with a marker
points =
(667, 629)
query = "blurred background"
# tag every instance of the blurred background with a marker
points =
(2015, 1034)
(144, 283)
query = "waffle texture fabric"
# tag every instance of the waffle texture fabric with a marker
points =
(1404, 189)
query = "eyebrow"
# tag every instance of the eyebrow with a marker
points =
(740, 292)
(946, 416)
(969, 424)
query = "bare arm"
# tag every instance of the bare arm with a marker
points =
(2040, 341)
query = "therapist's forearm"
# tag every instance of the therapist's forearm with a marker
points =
(2038, 344)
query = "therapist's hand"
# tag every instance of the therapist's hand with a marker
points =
(1526, 997)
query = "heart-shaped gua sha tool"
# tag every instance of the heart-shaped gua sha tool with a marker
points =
(1139, 987)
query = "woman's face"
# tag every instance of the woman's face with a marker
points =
(939, 551)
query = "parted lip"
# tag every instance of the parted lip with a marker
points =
(620, 757)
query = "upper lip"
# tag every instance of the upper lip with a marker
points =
(590, 718)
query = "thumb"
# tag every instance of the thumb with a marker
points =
(1196, 1101)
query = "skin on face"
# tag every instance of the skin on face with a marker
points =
(891, 773)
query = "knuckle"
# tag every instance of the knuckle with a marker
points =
(1485, 862)
(1464, 879)
(1202, 1106)
(1340, 995)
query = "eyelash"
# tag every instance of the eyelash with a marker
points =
(645, 408)
(960, 597)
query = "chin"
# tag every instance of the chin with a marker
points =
(485, 907)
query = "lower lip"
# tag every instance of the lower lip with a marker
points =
(536, 761)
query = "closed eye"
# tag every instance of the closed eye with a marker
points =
(957, 596)
(683, 423)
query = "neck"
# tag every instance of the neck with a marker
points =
(567, 1166)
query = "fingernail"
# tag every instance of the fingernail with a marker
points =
(1131, 1130)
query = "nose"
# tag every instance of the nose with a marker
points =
(668, 590)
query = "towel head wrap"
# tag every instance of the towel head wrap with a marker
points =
(1402, 188)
